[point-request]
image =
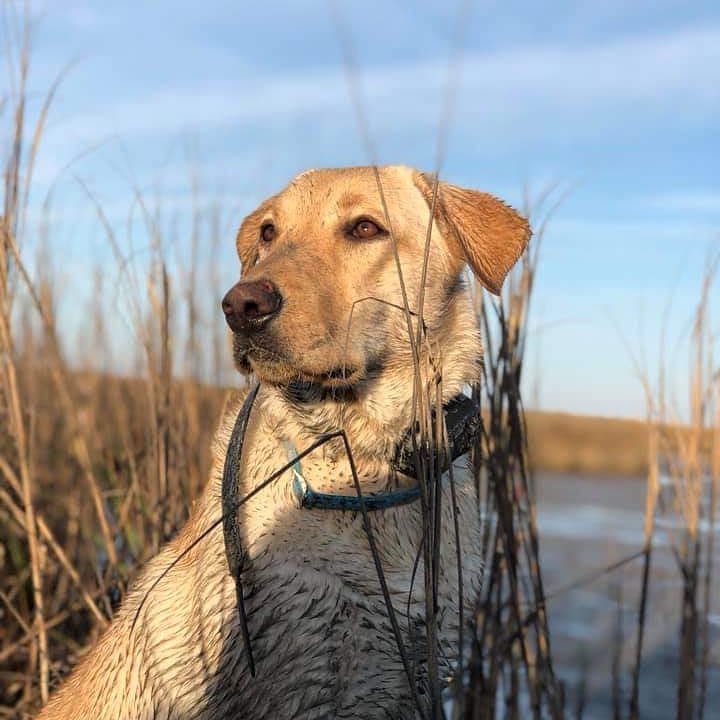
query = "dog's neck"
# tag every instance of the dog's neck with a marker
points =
(376, 415)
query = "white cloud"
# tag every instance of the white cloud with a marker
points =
(639, 230)
(590, 90)
(706, 201)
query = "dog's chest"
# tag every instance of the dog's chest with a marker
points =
(320, 634)
(322, 646)
(321, 649)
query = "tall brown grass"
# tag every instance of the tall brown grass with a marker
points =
(512, 654)
(98, 470)
(686, 453)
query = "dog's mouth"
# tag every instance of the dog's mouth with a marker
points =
(333, 379)
(279, 370)
(271, 364)
(338, 376)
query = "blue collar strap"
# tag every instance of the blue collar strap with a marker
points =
(308, 498)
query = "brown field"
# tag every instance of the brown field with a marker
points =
(585, 445)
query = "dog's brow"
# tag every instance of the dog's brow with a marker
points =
(351, 199)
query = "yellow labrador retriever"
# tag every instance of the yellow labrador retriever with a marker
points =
(326, 314)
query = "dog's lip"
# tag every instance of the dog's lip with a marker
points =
(264, 362)
(336, 376)
(249, 327)
(341, 372)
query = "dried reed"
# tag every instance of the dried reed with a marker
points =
(140, 448)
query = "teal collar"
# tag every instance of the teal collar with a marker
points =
(310, 499)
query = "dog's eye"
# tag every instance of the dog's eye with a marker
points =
(365, 229)
(267, 233)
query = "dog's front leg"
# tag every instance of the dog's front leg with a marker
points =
(161, 654)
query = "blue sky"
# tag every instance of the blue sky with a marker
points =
(617, 102)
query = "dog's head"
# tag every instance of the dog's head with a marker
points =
(321, 298)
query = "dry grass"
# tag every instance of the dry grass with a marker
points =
(97, 471)
(689, 458)
(81, 585)
(512, 671)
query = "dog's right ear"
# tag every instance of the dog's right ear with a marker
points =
(481, 230)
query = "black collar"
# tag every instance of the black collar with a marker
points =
(462, 420)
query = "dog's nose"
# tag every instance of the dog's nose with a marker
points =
(251, 303)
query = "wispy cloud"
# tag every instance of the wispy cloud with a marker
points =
(641, 231)
(670, 78)
(703, 201)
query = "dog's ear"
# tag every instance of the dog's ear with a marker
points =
(482, 230)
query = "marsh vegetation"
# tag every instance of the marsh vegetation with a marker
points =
(98, 469)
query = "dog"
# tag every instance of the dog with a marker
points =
(347, 311)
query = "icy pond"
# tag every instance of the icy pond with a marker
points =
(586, 524)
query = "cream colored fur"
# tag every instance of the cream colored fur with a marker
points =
(320, 634)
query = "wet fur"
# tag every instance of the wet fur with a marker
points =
(321, 639)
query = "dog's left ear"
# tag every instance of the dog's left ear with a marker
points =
(482, 230)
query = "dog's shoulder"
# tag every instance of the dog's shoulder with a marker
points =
(232, 404)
